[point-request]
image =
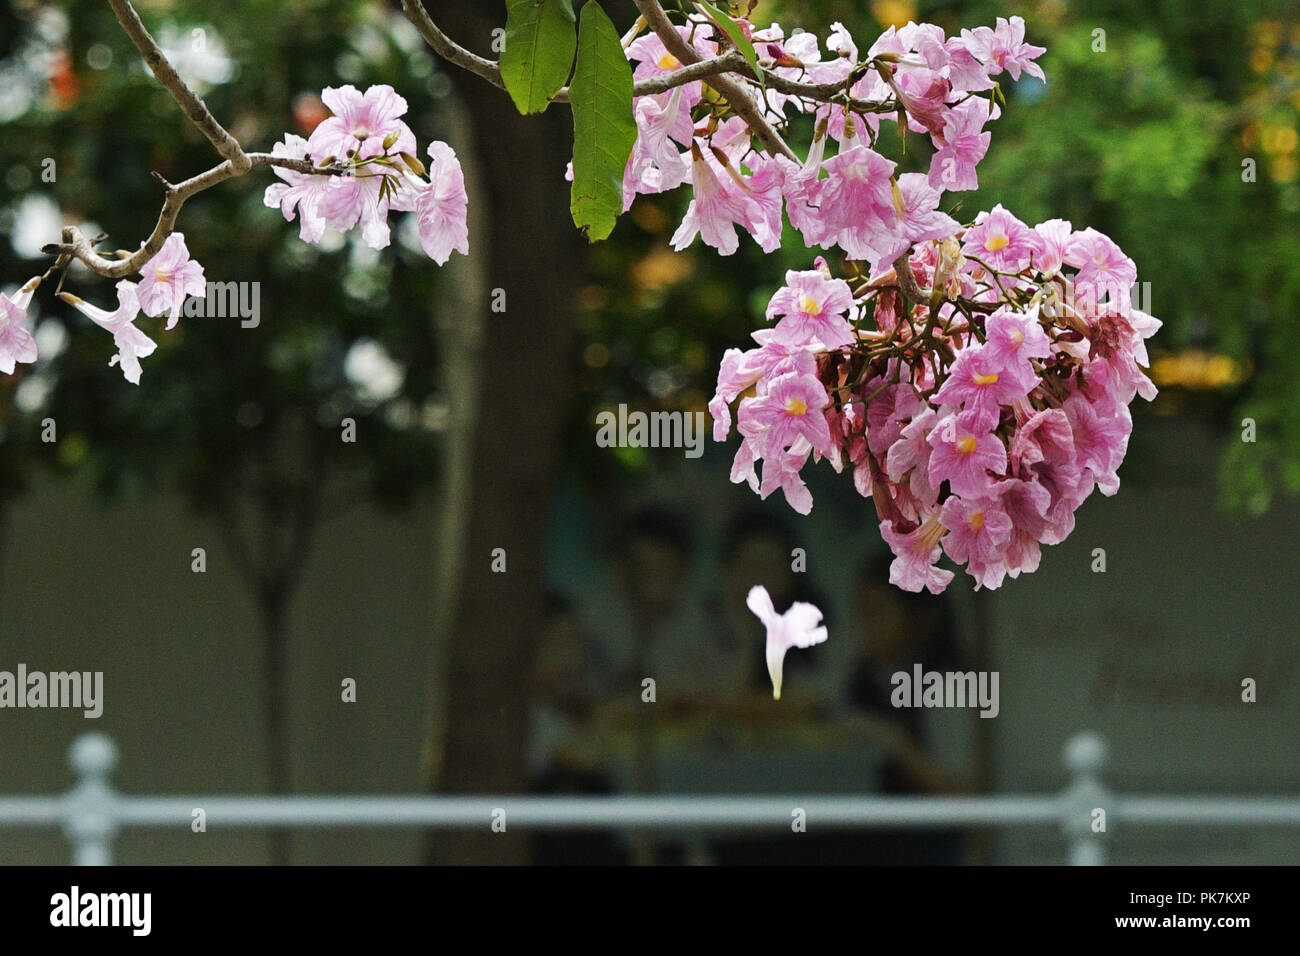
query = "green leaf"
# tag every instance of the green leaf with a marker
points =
(604, 128)
(734, 34)
(539, 50)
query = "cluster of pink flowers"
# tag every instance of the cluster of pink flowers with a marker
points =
(372, 170)
(367, 135)
(978, 413)
(977, 422)
(851, 200)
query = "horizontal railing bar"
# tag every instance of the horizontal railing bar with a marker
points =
(1228, 811)
(670, 812)
(32, 811)
(592, 812)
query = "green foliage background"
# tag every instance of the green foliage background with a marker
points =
(1144, 139)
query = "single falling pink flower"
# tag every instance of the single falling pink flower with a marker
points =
(168, 278)
(16, 343)
(800, 626)
(132, 344)
(442, 207)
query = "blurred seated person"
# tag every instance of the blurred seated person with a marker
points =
(929, 749)
(564, 754)
(657, 631)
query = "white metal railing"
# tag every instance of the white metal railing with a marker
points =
(92, 813)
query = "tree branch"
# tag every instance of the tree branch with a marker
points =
(732, 61)
(447, 48)
(737, 97)
(75, 244)
(194, 107)
(907, 281)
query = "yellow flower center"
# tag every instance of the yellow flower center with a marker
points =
(809, 306)
(1017, 336)
(994, 243)
(795, 407)
(990, 379)
(977, 521)
(161, 274)
(669, 62)
(966, 446)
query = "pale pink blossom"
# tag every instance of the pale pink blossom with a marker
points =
(301, 193)
(361, 125)
(960, 147)
(857, 202)
(982, 378)
(978, 530)
(719, 204)
(441, 207)
(812, 308)
(1012, 336)
(790, 406)
(168, 278)
(16, 343)
(799, 626)
(1002, 240)
(782, 471)
(1004, 48)
(920, 218)
(916, 552)
(964, 453)
(1055, 234)
(132, 344)
(1104, 270)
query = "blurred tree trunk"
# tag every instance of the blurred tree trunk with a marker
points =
(534, 255)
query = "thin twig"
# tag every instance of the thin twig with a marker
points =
(447, 48)
(78, 246)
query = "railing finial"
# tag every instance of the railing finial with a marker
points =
(90, 820)
(1084, 804)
